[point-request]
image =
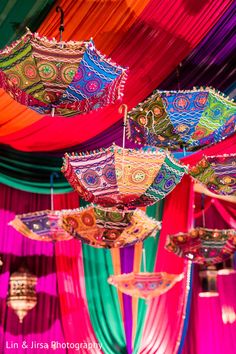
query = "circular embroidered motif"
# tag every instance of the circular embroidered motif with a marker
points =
(47, 71)
(139, 176)
(182, 128)
(68, 73)
(87, 219)
(181, 103)
(91, 178)
(15, 79)
(200, 100)
(109, 174)
(71, 221)
(93, 86)
(142, 120)
(30, 71)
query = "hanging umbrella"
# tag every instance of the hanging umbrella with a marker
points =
(182, 119)
(123, 177)
(217, 173)
(62, 78)
(145, 285)
(109, 228)
(203, 246)
(41, 225)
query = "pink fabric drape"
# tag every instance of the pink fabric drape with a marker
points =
(70, 275)
(42, 324)
(226, 285)
(165, 317)
(212, 324)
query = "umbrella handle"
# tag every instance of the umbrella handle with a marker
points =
(61, 28)
(52, 175)
(144, 260)
(124, 109)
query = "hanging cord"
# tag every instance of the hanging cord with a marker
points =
(178, 75)
(61, 28)
(52, 175)
(124, 109)
(203, 210)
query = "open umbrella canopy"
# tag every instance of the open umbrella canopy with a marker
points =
(217, 173)
(109, 228)
(145, 285)
(203, 246)
(182, 119)
(123, 177)
(41, 226)
(61, 78)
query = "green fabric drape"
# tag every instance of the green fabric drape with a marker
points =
(102, 298)
(31, 172)
(150, 245)
(17, 15)
(103, 301)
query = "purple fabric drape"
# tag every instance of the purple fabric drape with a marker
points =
(42, 324)
(127, 261)
(211, 63)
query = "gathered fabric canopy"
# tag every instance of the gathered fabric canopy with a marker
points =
(29, 131)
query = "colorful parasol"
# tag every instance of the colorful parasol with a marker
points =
(41, 226)
(217, 173)
(109, 228)
(145, 285)
(123, 177)
(203, 246)
(62, 78)
(182, 119)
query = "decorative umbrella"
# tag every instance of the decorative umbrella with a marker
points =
(145, 285)
(62, 78)
(182, 119)
(41, 225)
(123, 177)
(217, 173)
(109, 228)
(203, 246)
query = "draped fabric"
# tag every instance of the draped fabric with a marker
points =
(15, 16)
(150, 247)
(210, 316)
(165, 318)
(146, 34)
(103, 304)
(42, 324)
(73, 301)
(211, 63)
(71, 286)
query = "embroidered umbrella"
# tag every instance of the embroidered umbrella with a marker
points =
(145, 285)
(109, 228)
(217, 173)
(123, 177)
(62, 78)
(42, 225)
(203, 246)
(182, 119)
